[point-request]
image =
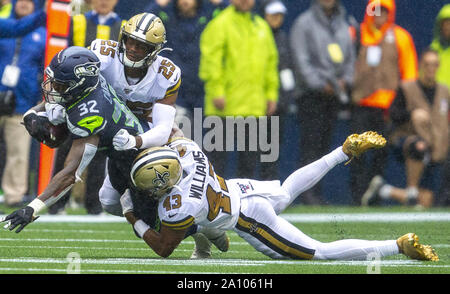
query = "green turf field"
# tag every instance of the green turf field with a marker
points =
(103, 248)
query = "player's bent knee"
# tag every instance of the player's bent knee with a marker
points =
(108, 195)
(113, 209)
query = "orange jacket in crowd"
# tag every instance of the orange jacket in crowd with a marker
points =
(376, 85)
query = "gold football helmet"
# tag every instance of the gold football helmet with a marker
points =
(156, 170)
(148, 29)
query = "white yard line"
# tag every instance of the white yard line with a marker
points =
(221, 262)
(85, 271)
(368, 217)
(296, 218)
(104, 248)
(94, 241)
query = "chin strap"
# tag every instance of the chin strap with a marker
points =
(146, 61)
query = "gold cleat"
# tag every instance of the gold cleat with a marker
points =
(357, 144)
(409, 245)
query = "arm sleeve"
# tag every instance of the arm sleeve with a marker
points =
(105, 60)
(13, 28)
(163, 118)
(212, 53)
(180, 222)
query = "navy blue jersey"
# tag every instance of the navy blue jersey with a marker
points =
(103, 113)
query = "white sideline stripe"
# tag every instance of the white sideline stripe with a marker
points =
(223, 262)
(41, 270)
(99, 248)
(295, 218)
(133, 261)
(97, 241)
(368, 217)
(234, 243)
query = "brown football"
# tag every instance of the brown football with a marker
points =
(57, 135)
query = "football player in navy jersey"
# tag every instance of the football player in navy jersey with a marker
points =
(94, 114)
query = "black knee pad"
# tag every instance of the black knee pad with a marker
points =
(414, 153)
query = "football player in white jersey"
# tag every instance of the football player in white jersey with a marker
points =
(149, 84)
(189, 192)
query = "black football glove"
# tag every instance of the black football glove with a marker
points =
(37, 126)
(40, 128)
(20, 217)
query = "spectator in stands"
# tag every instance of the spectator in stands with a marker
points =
(13, 28)
(386, 57)
(99, 23)
(441, 43)
(184, 21)
(21, 65)
(420, 136)
(238, 64)
(5, 8)
(274, 12)
(324, 55)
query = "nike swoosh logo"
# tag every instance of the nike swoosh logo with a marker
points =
(170, 216)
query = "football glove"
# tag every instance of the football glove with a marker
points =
(40, 128)
(20, 217)
(124, 141)
(56, 113)
(35, 125)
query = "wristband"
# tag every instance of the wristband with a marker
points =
(37, 205)
(141, 227)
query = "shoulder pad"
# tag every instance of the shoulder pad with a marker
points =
(169, 74)
(106, 51)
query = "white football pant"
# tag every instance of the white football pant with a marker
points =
(260, 225)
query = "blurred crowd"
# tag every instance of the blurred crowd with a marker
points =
(239, 60)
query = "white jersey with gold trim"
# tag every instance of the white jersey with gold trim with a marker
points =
(163, 78)
(201, 197)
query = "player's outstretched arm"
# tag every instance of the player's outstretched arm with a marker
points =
(163, 242)
(163, 117)
(80, 154)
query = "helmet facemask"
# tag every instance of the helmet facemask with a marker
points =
(147, 29)
(153, 50)
(55, 91)
(72, 74)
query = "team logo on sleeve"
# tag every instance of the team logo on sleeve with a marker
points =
(245, 187)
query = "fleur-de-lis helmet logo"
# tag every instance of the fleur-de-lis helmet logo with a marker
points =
(161, 179)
